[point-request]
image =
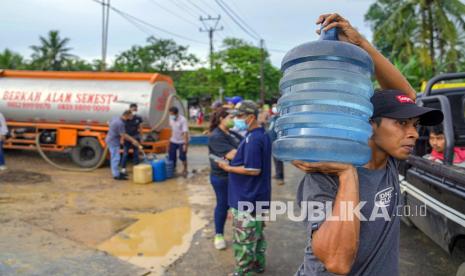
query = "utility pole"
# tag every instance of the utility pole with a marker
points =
(105, 23)
(262, 68)
(210, 28)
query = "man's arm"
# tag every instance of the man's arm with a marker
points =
(238, 170)
(230, 155)
(335, 243)
(140, 129)
(131, 140)
(3, 127)
(185, 129)
(388, 76)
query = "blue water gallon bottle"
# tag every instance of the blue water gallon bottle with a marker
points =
(325, 103)
(169, 167)
(159, 170)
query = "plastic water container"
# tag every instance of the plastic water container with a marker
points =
(325, 104)
(142, 174)
(159, 170)
(169, 165)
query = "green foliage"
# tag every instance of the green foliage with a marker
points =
(422, 37)
(11, 60)
(236, 65)
(195, 83)
(76, 64)
(159, 55)
(237, 70)
(52, 53)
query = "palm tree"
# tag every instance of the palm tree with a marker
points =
(52, 53)
(434, 38)
(11, 60)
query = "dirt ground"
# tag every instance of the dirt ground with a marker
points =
(66, 223)
(145, 226)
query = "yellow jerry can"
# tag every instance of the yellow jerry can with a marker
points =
(142, 174)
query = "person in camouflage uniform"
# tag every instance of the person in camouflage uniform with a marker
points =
(249, 182)
(249, 243)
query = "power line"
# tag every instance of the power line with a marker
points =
(235, 21)
(239, 18)
(137, 25)
(183, 8)
(208, 5)
(197, 7)
(227, 27)
(151, 25)
(173, 13)
(211, 30)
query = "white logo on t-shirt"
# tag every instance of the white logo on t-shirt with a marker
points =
(383, 197)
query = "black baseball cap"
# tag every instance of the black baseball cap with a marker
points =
(395, 104)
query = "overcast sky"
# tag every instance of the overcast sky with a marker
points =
(283, 24)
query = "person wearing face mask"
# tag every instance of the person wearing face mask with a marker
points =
(222, 143)
(239, 126)
(117, 130)
(249, 185)
(179, 140)
(133, 129)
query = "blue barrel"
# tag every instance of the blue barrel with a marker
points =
(325, 103)
(159, 170)
(169, 165)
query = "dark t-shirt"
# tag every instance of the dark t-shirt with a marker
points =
(254, 152)
(219, 144)
(132, 126)
(378, 251)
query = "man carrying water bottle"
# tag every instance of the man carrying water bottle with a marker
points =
(363, 244)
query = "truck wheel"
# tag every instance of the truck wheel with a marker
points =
(87, 153)
(461, 270)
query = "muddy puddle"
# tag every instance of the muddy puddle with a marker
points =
(155, 240)
(90, 230)
(21, 177)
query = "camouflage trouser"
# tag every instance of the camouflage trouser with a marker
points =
(249, 244)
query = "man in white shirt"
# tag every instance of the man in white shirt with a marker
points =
(3, 132)
(179, 138)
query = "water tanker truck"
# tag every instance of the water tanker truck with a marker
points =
(69, 111)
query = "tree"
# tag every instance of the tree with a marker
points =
(52, 53)
(159, 55)
(77, 64)
(434, 42)
(195, 83)
(237, 70)
(11, 60)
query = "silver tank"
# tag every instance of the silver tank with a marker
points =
(82, 101)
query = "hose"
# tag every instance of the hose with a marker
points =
(41, 152)
(166, 112)
(105, 152)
